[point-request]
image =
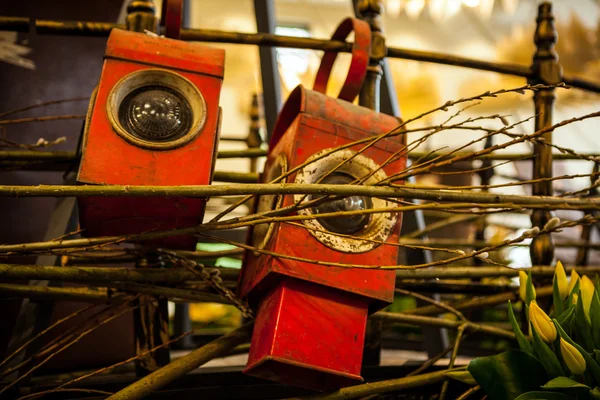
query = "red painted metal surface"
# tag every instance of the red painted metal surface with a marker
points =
(308, 335)
(109, 159)
(360, 59)
(295, 298)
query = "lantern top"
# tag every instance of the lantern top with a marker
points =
(169, 53)
(337, 111)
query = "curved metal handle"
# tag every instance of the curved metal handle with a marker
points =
(171, 16)
(360, 59)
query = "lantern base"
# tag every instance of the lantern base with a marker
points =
(115, 216)
(308, 335)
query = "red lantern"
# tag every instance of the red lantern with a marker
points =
(154, 120)
(311, 319)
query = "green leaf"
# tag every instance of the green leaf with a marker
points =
(562, 382)
(529, 289)
(582, 326)
(521, 339)
(595, 318)
(591, 364)
(564, 319)
(597, 355)
(559, 305)
(574, 291)
(595, 393)
(462, 376)
(508, 375)
(544, 396)
(546, 356)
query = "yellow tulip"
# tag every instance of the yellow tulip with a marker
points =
(542, 324)
(522, 285)
(574, 279)
(560, 276)
(573, 358)
(575, 298)
(587, 292)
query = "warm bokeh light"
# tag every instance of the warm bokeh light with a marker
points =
(471, 3)
(413, 8)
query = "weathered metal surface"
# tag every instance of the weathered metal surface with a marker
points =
(308, 335)
(109, 159)
(312, 326)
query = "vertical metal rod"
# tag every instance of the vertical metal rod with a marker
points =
(370, 11)
(586, 231)
(389, 98)
(254, 139)
(485, 176)
(151, 318)
(386, 101)
(181, 318)
(545, 70)
(151, 326)
(264, 11)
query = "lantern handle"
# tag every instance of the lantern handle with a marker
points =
(170, 18)
(360, 59)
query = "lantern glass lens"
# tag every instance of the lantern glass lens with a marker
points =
(156, 113)
(346, 224)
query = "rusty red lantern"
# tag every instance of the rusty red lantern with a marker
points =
(153, 120)
(311, 319)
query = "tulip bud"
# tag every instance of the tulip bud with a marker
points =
(542, 323)
(560, 276)
(575, 298)
(572, 357)
(522, 285)
(574, 279)
(587, 292)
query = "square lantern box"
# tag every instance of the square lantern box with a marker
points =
(311, 319)
(153, 120)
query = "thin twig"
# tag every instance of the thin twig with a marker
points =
(40, 119)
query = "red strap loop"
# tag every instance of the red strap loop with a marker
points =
(360, 59)
(170, 18)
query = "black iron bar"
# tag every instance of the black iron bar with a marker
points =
(85, 28)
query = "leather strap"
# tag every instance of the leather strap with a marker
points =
(360, 59)
(171, 16)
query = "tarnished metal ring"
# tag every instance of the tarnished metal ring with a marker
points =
(159, 77)
(170, 18)
(262, 233)
(360, 59)
(380, 226)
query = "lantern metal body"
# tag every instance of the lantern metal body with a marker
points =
(311, 319)
(154, 120)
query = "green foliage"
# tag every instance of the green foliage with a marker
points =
(521, 339)
(583, 327)
(595, 319)
(509, 374)
(546, 357)
(559, 305)
(544, 396)
(540, 371)
(563, 382)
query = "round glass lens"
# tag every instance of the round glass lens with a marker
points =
(155, 113)
(347, 224)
